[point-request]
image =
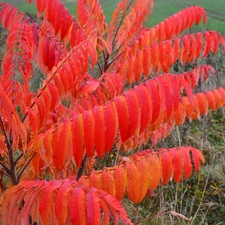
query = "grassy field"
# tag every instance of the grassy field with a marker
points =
(162, 10)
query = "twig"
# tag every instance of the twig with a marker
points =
(19, 157)
(114, 39)
(106, 67)
(22, 170)
(99, 67)
(80, 172)
(8, 171)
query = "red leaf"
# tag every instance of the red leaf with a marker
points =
(93, 208)
(90, 86)
(47, 101)
(54, 95)
(30, 202)
(211, 100)
(180, 115)
(166, 88)
(78, 211)
(123, 116)
(202, 103)
(99, 133)
(46, 201)
(41, 111)
(48, 146)
(145, 102)
(156, 100)
(106, 211)
(146, 62)
(78, 138)
(187, 167)
(134, 112)
(89, 132)
(167, 167)
(187, 89)
(33, 121)
(208, 44)
(215, 41)
(61, 202)
(177, 164)
(61, 144)
(137, 68)
(111, 126)
(198, 44)
(197, 157)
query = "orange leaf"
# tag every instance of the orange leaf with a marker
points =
(48, 146)
(155, 171)
(180, 115)
(58, 149)
(108, 184)
(133, 183)
(95, 180)
(144, 174)
(120, 182)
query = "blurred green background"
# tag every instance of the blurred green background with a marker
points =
(162, 9)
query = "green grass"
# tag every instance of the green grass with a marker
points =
(216, 16)
(162, 10)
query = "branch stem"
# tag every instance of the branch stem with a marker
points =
(22, 170)
(80, 172)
